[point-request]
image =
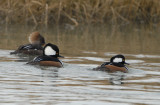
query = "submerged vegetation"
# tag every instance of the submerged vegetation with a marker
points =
(77, 12)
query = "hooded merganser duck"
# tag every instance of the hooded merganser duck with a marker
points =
(49, 57)
(35, 46)
(117, 63)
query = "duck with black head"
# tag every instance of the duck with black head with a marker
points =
(34, 48)
(49, 57)
(117, 63)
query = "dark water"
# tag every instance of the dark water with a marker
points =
(77, 84)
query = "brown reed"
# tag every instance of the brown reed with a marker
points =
(77, 12)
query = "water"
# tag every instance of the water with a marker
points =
(77, 83)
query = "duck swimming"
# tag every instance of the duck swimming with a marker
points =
(34, 48)
(117, 63)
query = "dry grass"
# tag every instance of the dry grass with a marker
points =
(77, 12)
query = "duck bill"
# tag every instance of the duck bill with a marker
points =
(126, 63)
(61, 56)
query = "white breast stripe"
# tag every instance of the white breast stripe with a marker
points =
(126, 67)
(61, 62)
(37, 59)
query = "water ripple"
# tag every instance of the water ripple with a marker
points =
(78, 83)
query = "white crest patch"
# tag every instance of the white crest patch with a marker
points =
(49, 51)
(117, 60)
(30, 38)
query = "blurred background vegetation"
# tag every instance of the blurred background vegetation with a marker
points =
(76, 12)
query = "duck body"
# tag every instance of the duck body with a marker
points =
(29, 49)
(117, 63)
(46, 61)
(35, 46)
(49, 57)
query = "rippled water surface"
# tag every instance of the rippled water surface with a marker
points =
(76, 83)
